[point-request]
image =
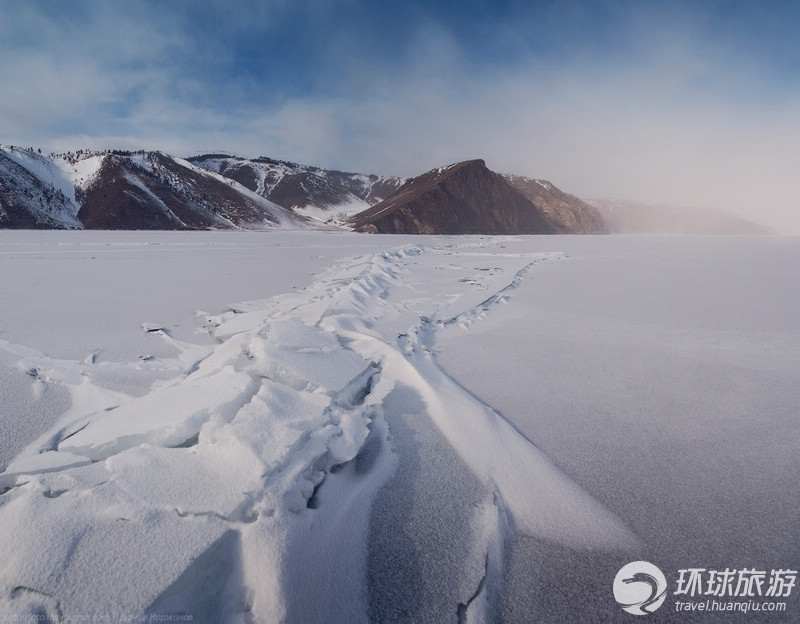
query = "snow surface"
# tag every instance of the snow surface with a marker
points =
(388, 428)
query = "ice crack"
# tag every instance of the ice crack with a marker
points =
(263, 460)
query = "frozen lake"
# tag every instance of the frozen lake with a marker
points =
(305, 426)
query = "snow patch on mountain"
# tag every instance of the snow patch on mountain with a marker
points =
(336, 214)
(320, 194)
(80, 172)
(35, 191)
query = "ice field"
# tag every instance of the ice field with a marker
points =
(330, 427)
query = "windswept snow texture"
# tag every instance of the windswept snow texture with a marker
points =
(433, 429)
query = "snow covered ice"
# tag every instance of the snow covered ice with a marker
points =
(418, 429)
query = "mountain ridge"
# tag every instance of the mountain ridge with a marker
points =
(121, 189)
(461, 198)
(324, 194)
(567, 213)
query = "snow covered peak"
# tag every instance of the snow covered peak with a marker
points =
(321, 194)
(126, 190)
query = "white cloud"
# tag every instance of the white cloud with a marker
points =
(661, 129)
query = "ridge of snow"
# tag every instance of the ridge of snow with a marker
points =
(246, 484)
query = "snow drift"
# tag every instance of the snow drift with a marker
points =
(241, 488)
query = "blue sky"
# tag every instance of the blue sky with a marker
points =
(691, 103)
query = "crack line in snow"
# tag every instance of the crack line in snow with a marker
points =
(262, 431)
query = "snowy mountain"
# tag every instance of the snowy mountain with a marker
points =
(34, 192)
(150, 190)
(154, 191)
(462, 198)
(127, 190)
(319, 193)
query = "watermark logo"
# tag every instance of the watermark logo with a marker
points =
(640, 588)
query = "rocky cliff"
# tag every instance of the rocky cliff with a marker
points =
(567, 213)
(463, 198)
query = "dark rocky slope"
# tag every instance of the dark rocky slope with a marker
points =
(464, 198)
(155, 192)
(567, 213)
(126, 190)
